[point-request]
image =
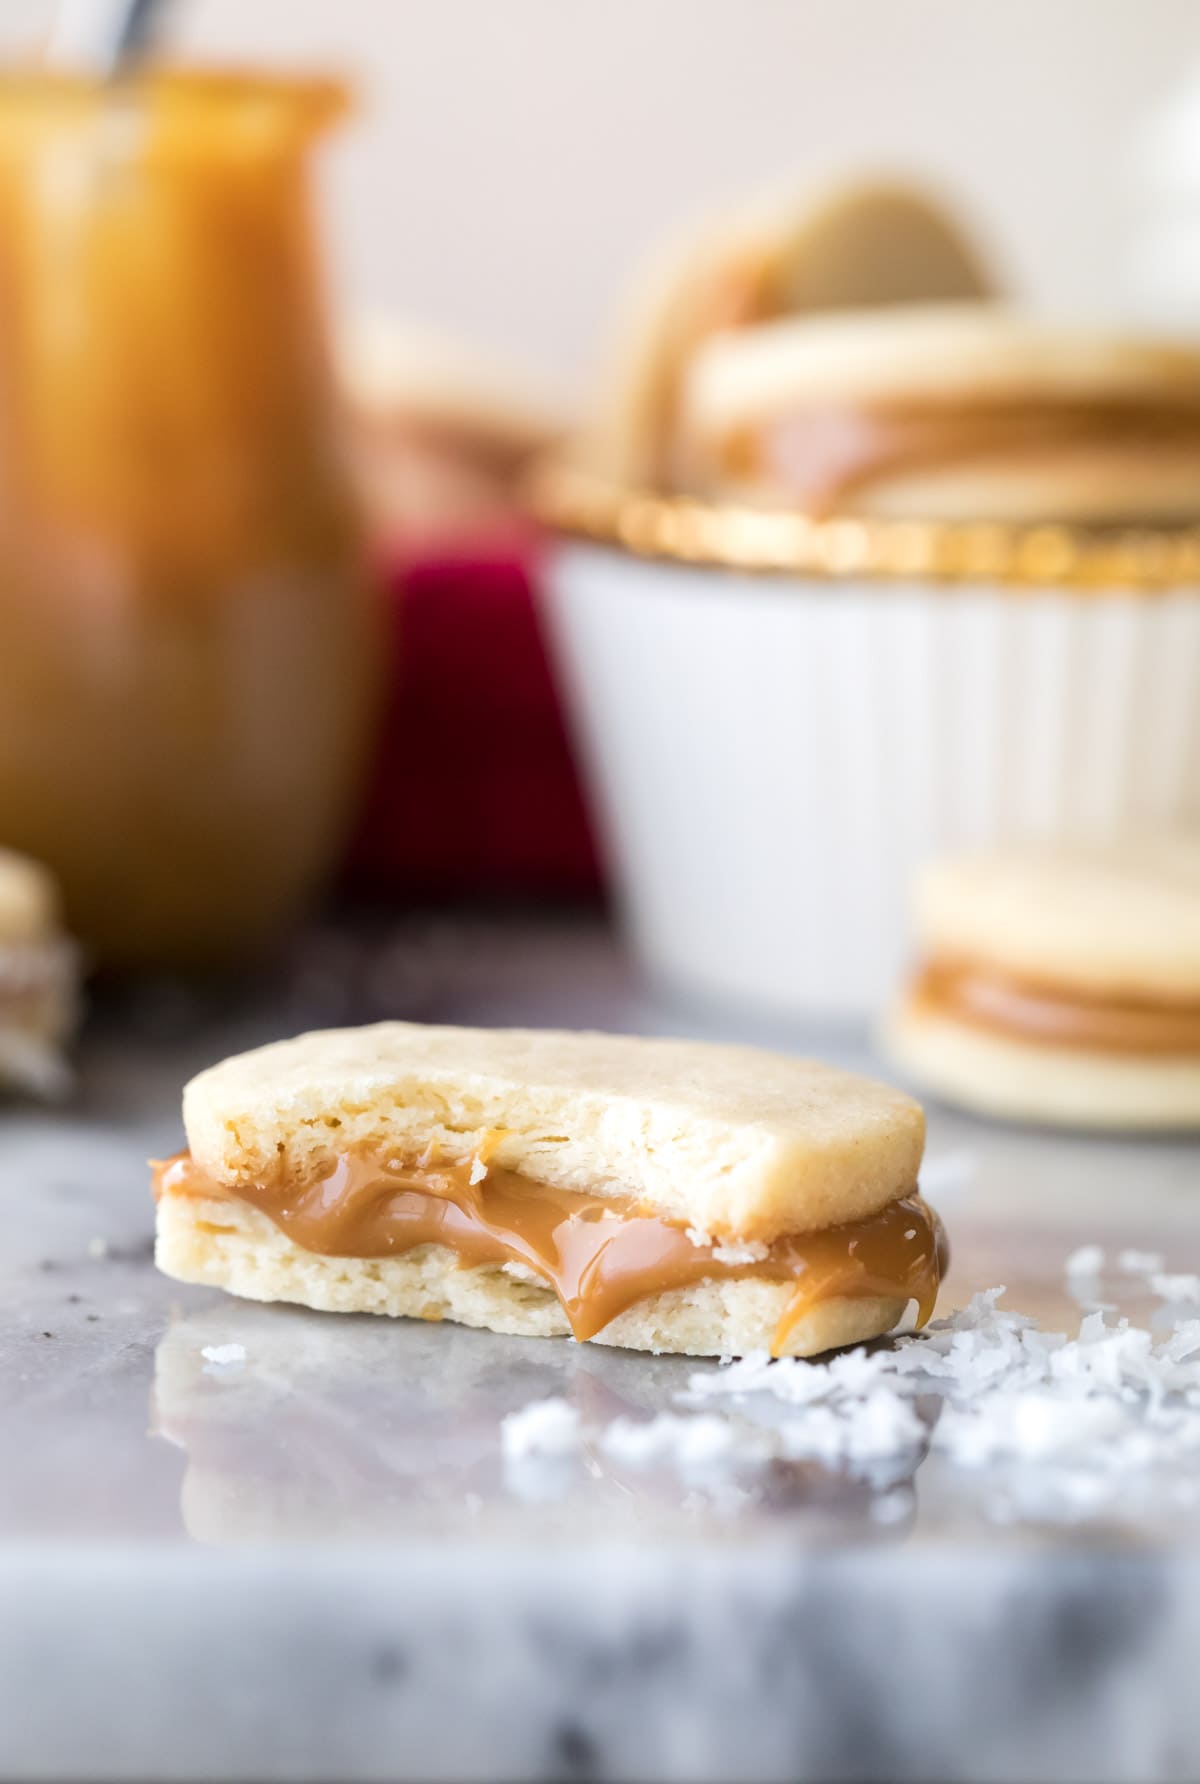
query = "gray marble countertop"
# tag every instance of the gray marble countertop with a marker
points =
(313, 1566)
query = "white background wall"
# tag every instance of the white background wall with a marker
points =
(514, 157)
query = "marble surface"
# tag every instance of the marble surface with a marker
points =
(311, 1564)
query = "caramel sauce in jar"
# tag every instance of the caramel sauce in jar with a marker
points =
(599, 1254)
(187, 630)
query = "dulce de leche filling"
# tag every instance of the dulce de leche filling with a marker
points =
(1009, 1005)
(599, 1254)
(825, 457)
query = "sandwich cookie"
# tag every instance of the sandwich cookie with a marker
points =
(39, 973)
(655, 1194)
(945, 413)
(870, 243)
(1060, 986)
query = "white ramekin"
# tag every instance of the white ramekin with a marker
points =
(772, 755)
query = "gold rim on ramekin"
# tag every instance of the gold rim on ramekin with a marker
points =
(569, 498)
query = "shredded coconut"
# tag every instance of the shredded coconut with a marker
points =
(543, 1428)
(893, 1507)
(1087, 1261)
(685, 1442)
(220, 1356)
(1140, 1263)
(522, 1273)
(1047, 1426)
(752, 1252)
(1093, 1421)
(479, 1169)
(1175, 1288)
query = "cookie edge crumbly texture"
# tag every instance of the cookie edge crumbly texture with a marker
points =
(743, 1144)
(1004, 1076)
(225, 1244)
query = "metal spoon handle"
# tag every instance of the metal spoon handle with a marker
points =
(138, 30)
(103, 36)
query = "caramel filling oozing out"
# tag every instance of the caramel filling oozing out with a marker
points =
(824, 457)
(599, 1254)
(1008, 1005)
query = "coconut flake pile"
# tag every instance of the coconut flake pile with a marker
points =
(1066, 1427)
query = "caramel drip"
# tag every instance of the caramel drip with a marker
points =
(822, 457)
(1009, 1005)
(600, 1254)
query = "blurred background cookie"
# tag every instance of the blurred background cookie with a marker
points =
(851, 245)
(39, 980)
(968, 413)
(824, 585)
(1060, 985)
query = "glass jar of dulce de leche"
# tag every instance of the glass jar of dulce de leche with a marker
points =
(187, 635)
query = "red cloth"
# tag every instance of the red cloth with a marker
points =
(474, 790)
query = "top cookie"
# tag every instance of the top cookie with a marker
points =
(1118, 921)
(951, 354)
(740, 1143)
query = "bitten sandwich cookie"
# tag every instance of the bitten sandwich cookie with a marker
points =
(659, 1195)
(39, 972)
(1060, 986)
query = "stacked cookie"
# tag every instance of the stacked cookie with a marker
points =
(940, 413)
(933, 560)
(1060, 985)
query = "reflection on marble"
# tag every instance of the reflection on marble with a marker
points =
(310, 1564)
(297, 1443)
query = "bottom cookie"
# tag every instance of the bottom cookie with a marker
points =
(228, 1244)
(995, 1074)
